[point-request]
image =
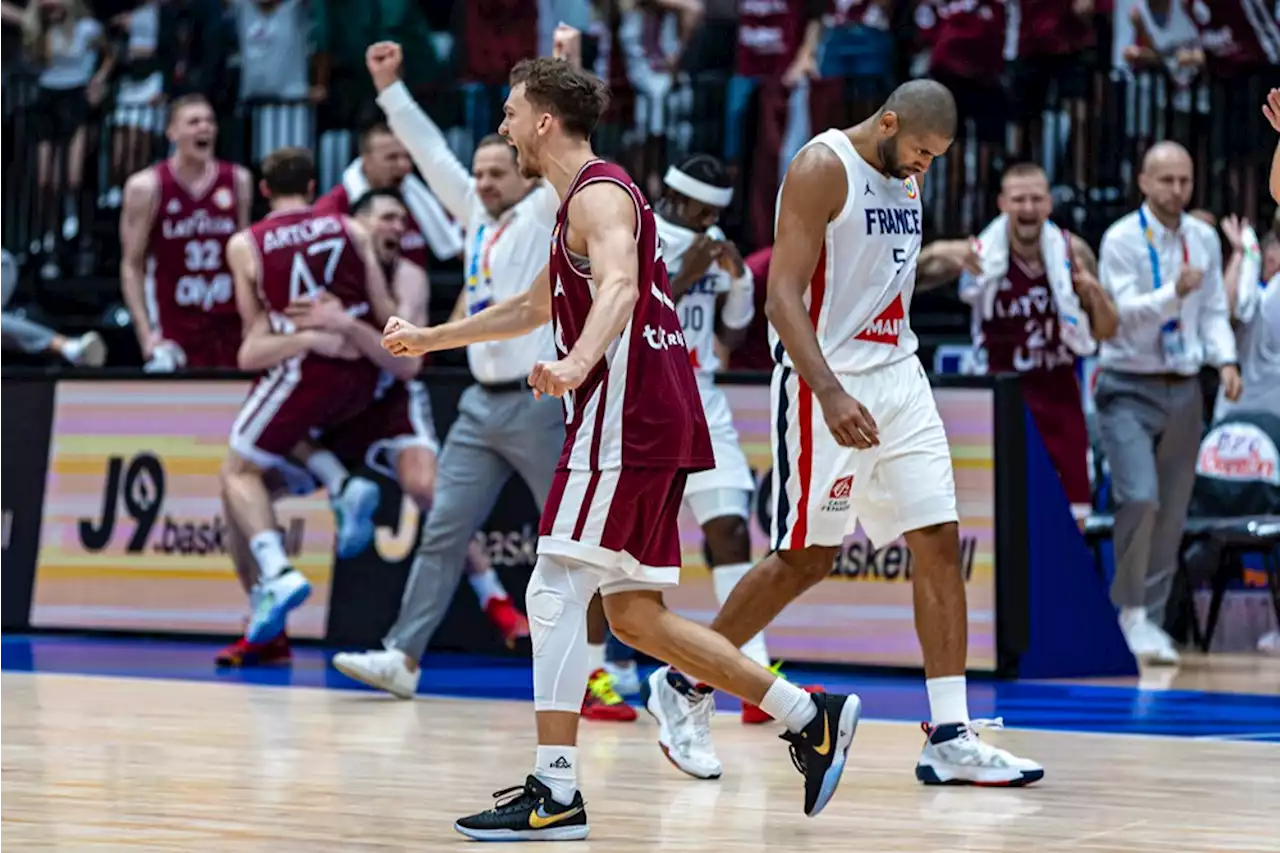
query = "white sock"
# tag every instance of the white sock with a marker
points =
(268, 550)
(948, 699)
(595, 656)
(487, 586)
(557, 768)
(790, 704)
(328, 470)
(725, 578)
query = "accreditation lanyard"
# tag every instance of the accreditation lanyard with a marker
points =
(480, 273)
(1171, 332)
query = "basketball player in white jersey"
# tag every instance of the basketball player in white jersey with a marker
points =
(857, 435)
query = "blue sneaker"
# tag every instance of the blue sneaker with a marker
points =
(353, 510)
(272, 601)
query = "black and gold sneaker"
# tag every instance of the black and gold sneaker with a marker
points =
(527, 813)
(820, 749)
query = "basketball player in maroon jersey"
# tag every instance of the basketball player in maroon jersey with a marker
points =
(1020, 328)
(313, 380)
(634, 430)
(180, 213)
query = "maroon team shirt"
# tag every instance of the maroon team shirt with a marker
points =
(769, 34)
(639, 406)
(968, 39)
(413, 245)
(1238, 36)
(497, 35)
(1023, 336)
(302, 253)
(1051, 28)
(193, 291)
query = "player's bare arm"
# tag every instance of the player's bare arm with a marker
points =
(1271, 110)
(141, 195)
(261, 348)
(512, 317)
(698, 258)
(605, 232)
(812, 193)
(1104, 319)
(943, 261)
(732, 262)
(244, 196)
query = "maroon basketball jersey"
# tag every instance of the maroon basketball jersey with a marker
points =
(769, 34)
(1023, 334)
(302, 253)
(969, 39)
(1051, 28)
(413, 245)
(1238, 35)
(639, 406)
(190, 277)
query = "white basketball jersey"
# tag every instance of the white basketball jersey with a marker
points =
(859, 298)
(697, 308)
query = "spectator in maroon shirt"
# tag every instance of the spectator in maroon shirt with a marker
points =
(753, 352)
(1055, 47)
(1240, 40)
(968, 58)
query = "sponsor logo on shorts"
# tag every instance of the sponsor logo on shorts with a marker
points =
(133, 493)
(659, 338)
(838, 499)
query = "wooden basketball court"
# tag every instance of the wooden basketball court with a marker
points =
(96, 763)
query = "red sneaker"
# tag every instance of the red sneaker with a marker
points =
(510, 622)
(602, 702)
(244, 653)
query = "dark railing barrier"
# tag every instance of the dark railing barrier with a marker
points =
(63, 189)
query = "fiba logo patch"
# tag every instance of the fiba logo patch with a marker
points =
(839, 496)
(223, 198)
(909, 184)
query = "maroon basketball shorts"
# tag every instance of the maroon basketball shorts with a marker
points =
(297, 398)
(622, 523)
(214, 343)
(397, 420)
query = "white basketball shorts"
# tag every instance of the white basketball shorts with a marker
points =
(731, 478)
(821, 490)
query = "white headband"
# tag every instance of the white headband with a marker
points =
(697, 190)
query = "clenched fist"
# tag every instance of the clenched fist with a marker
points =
(400, 337)
(383, 60)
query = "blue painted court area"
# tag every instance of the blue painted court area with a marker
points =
(1024, 704)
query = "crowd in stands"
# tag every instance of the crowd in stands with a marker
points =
(1085, 89)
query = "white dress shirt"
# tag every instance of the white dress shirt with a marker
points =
(1125, 270)
(1258, 339)
(502, 256)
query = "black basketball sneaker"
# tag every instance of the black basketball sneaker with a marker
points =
(820, 749)
(527, 813)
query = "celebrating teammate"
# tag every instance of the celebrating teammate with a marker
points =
(179, 215)
(857, 435)
(314, 379)
(634, 432)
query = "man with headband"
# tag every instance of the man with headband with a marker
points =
(714, 291)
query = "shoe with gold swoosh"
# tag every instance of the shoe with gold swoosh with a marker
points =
(820, 749)
(527, 812)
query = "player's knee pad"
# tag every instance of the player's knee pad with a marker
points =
(556, 602)
(554, 593)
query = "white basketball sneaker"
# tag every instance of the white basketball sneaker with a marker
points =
(353, 511)
(684, 715)
(385, 669)
(954, 755)
(626, 678)
(272, 600)
(1148, 643)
